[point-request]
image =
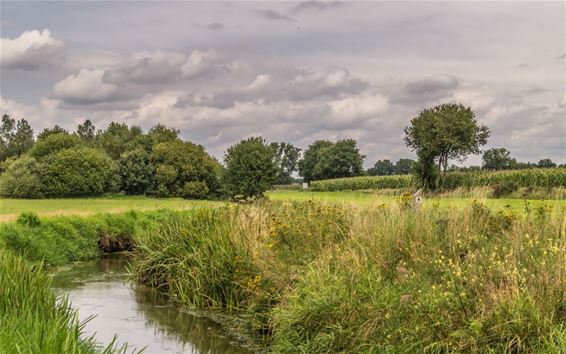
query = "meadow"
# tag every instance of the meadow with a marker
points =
(320, 276)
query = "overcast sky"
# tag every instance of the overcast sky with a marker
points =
(290, 71)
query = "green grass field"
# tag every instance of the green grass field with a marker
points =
(11, 208)
(365, 198)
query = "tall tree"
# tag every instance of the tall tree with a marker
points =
(444, 132)
(382, 168)
(250, 168)
(311, 157)
(546, 163)
(342, 159)
(116, 139)
(286, 159)
(16, 137)
(404, 166)
(497, 159)
(49, 131)
(86, 131)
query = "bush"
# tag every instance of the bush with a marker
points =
(503, 189)
(178, 163)
(195, 190)
(78, 172)
(22, 179)
(29, 219)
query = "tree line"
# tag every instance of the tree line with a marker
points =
(120, 158)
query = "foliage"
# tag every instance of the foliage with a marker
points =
(22, 179)
(250, 169)
(48, 131)
(286, 159)
(311, 156)
(546, 163)
(444, 132)
(178, 163)
(324, 159)
(547, 178)
(53, 143)
(137, 172)
(15, 137)
(86, 131)
(497, 159)
(195, 190)
(77, 172)
(116, 139)
(382, 168)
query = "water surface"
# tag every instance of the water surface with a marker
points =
(139, 315)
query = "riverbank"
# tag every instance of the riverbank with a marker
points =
(315, 277)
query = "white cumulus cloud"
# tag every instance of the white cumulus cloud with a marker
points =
(32, 50)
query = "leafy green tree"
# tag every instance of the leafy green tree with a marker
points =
(161, 134)
(382, 168)
(22, 179)
(342, 159)
(404, 166)
(16, 137)
(86, 131)
(444, 132)
(311, 157)
(497, 159)
(137, 173)
(117, 138)
(54, 143)
(180, 162)
(250, 168)
(79, 171)
(546, 163)
(286, 159)
(48, 131)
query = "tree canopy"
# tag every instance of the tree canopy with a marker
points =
(444, 132)
(250, 168)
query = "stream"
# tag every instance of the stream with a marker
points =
(138, 315)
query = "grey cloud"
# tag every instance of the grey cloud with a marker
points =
(561, 57)
(147, 69)
(215, 26)
(274, 15)
(426, 90)
(316, 5)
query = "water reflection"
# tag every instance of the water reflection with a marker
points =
(140, 316)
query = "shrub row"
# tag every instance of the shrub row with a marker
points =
(546, 178)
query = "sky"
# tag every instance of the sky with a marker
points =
(290, 71)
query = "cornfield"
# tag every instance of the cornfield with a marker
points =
(539, 177)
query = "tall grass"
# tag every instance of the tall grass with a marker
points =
(32, 318)
(313, 278)
(529, 178)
